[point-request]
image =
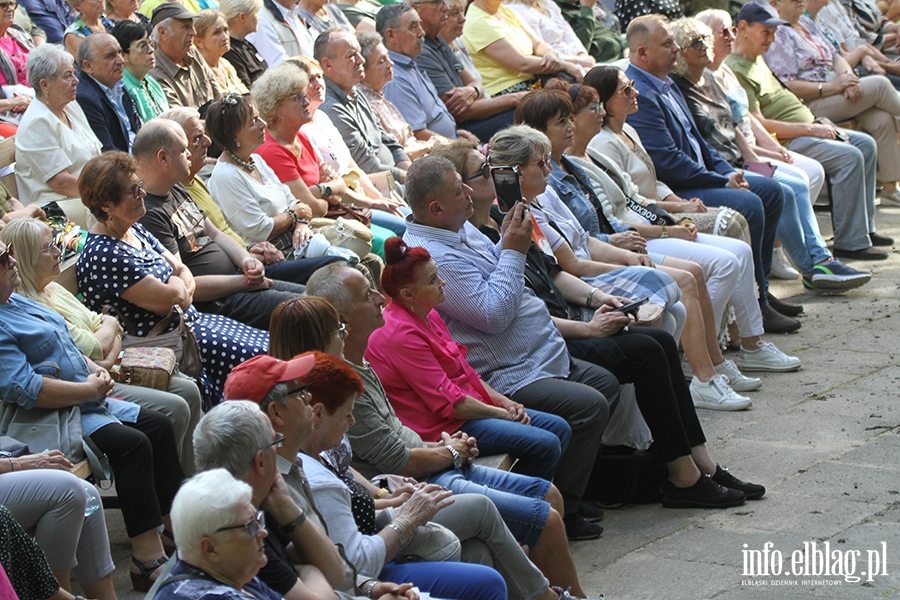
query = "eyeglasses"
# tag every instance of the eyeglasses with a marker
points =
(278, 443)
(543, 164)
(137, 190)
(596, 108)
(303, 390)
(629, 89)
(252, 526)
(484, 172)
(302, 99)
(341, 331)
(4, 6)
(6, 255)
(146, 47)
(53, 243)
(728, 32)
(699, 44)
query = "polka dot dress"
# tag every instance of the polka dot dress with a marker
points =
(630, 9)
(24, 561)
(108, 267)
(362, 505)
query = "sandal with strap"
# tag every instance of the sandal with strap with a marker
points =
(143, 581)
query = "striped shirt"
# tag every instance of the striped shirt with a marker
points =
(511, 338)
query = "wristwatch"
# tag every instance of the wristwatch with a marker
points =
(456, 457)
(325, 190)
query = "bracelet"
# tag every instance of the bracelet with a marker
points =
(12, 466)
(590, 296)
(370, 585)
(664, 233)
(381, 492)
(321, 189)
(301, 518)
(293, 217)
(821, 85)
(477, 91)
(398, 531)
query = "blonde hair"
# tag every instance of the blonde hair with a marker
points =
(275, 86)
(26, 235)
(207, 19)
(683, 30)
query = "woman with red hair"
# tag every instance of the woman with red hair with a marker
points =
(431, 386)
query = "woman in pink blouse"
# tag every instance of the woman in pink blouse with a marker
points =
(431, 386)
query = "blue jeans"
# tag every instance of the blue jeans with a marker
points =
(798, 230)
(537, 446)
(520, 499)
(762, 208)
(451, 580)
(389, 221)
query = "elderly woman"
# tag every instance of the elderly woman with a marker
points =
(379, 69)
(220, 541)
(321, 16)
(242, 17)
(547, 21)
(508, 53)
(334, 152)
(451, 31)
(65, 516)
(90, 20)
(213, 42)
(54, 140)
(334, 386)
(137, 50)
(149, 280)
(811, 67)
(712, 112)
(125, 10)
(99, 337)
(257, 205)
(44, 369)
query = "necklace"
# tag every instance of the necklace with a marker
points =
(247, 165)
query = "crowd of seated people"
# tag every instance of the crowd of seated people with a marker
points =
(199, 146)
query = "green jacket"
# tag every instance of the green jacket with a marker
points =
(604, 44)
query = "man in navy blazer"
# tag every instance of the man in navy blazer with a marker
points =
(101, 93)
(691, 167)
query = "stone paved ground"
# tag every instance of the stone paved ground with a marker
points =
(824, 441)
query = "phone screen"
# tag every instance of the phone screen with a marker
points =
(506, 186)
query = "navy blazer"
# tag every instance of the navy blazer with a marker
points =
(667, 142)
(101, 114)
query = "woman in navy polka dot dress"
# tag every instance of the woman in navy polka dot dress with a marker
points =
(125, 266)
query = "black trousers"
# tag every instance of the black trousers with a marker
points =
(145, 463)
(651, 363)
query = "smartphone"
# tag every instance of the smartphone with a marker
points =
(631, 308)
(506, 186)
(764, 169)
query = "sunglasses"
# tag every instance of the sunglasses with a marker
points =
(252, 526)
(484, 172)
(596, 108)
(6, 255)
(728, 32)
(628, 90)
(699, 44)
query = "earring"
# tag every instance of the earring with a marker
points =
(316, 426)
(238, 144)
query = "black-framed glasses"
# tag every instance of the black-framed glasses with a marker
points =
(595, 108)
(278, 443)
(137, 190)
(252, 526)
(699, 44)
(302, 98)
(302, 389)
(341, 331)
(628, 90)
(6, 255)
(728, 32)
(4, 6)
(144, 47)
(484, 172)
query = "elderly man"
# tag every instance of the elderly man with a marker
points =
(530, 506)
(102, 95)
(463, 96)
(281, 33)
(237, 437)
(372, 148)
(230, 281)
(471, 516)
(180, 69)
(410, 90)
(691, 167)
(851, 167)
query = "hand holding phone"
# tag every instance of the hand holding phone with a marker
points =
(632, 308)
(506, 186)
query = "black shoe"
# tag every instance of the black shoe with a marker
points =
(775, 322)
(788, 309)
(864, 254)
(881, 240)
(706, 493)
(753, 491)
(590, 512)
(577, 528)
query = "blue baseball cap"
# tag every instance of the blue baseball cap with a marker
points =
(757, 13)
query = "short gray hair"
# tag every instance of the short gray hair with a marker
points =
(154, 35)
(230, 435)
(277, 394)
(389, 16)
(180, 114)
(44, 62)
(275, 86)
(517, 145)
(367, 42)
(85, 51)
(204, 504)
(233, 8)
(683, 30)
(328, 283)
(426, 178)
(713, 17)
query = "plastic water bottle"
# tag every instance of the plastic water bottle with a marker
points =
(91, 506)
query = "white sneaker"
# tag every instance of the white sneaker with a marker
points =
(781, 266)
(766, 358)
(891, 199)
(715, 394)
(737, 380)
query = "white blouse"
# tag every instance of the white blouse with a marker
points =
(552, 28)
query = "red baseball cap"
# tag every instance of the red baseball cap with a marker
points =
(253, 379)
